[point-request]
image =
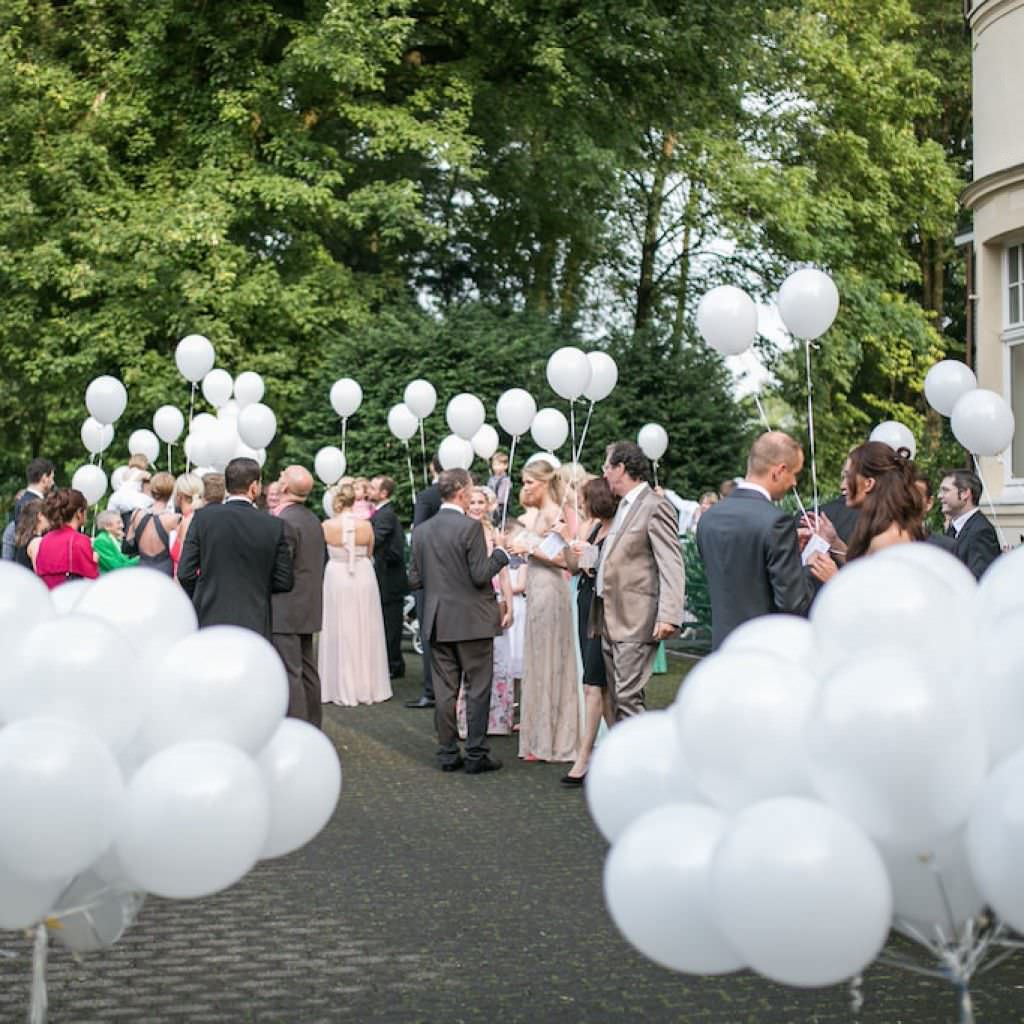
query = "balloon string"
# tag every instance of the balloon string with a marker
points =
(423, 453)
(575, 466)
(344, 430)
(412, 478)
(810, 425)
(583, 436)
(40, 952)
(655, 463)
(169, 470)
(760, 411)
(508, 492)
(991, 505)
(191, 406)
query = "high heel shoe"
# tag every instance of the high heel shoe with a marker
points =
(573, 781)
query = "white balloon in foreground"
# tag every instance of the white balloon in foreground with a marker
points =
(895, 435)
(421, 398)
(653, 439)
(569, 372)
(465, 415)
(60, 796)
(168, 423)
(96, 436)
(194, 357)
(789, 637)
(24, 601)
(217, 387)
(656, 886)
(303, 777)
(808, 303)
(727, 319)
(515, 411)
(257, 425)
(67, 595)
(455, 453)
(202, 422)
(402, 421)
(91, 481)
(549, 429)
(196, 818)
(604, 375)
(637, 767)
(249, 388)
(329, 465)
(346, 397)
(197, 448)
(144, 442)
(983, 422)
(946, 383)
(25, 901)
(106, 399)
(485, 441)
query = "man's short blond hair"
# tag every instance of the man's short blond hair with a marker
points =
(773, 448)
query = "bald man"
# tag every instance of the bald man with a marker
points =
(749, 545)
(298, 614)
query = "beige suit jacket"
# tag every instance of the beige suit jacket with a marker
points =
(643, 573)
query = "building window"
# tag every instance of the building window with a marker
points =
(1017, 403)
(1015, 285)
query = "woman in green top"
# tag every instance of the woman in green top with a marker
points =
(107, 542)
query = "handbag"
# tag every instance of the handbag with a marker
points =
(69, 575)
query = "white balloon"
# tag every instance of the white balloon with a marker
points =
(96, 436)
(26, 901)
(455, 453)
(144, 442)
(656, 885)
(604, 375)
(998, 664)
(465, 415)
(800, 892)
(895, 435)
(896, 749)
(249, 388)
(217, 387)
(149, 608)
(194, 357)
(202, 422)
(420, 397)
(106, 399)
(197, 448)
(88, 677)
(222, 683)
(727, 319)
(91, 481)
(638, 766)
(740, 719)
(939, 563)
(24, 601)
(653, 439)
(196, 818)
(785, 636)
(117, 477)
(328, 502)
(257, 425)
(569, 372)
(346, 397)
(946, 383)
(329, 465)
(302, 774)
(402, 421)
(60, 796)
(168, 423)
(485, 441)
(923, 880)
(552, 460)
(228, 412)
(221, 443)
(67, 595)
(808, 303)
(983, 422)
(93, 915)
(515, 411)
(549, 429)
(1001, 589)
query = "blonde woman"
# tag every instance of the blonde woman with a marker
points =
(362, 507)
(149, 534)
(188, 496)
(353, 654)
(549, 728)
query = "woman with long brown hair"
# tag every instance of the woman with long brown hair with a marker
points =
(65, 553)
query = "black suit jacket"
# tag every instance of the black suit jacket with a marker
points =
(428, 504)
(451, 564)
(977, 544)
(301, 609)
(752, 560)
(389, 554)
(843, 518)
(233, 559)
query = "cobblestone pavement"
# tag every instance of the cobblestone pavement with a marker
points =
(434, 898)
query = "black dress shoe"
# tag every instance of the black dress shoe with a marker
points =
(573, 781)
(482, 764)
(422, 702)
(452, 766)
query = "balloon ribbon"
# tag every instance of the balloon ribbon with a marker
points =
(508, 493)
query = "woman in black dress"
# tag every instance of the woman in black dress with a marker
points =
(581, 558)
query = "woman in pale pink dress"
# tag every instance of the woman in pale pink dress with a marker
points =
(353, 657)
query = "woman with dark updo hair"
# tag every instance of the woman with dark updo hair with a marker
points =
(65, 553)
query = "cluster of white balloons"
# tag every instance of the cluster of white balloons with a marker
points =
(106, 400)
(981, 420)
(816, 782)
(140, 755)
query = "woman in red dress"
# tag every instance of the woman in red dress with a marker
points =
(65, 553)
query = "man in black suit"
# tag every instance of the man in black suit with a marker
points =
(426, 506)
(298, 613)
(975, 542)
(236, 556)
(389, 564)
(938, 540)
(39, 475)
(749, 546)
(451, 566)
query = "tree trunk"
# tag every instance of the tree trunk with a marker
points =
(683, 281)
(649, 247)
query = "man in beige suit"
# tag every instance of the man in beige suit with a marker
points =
(639, 588)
